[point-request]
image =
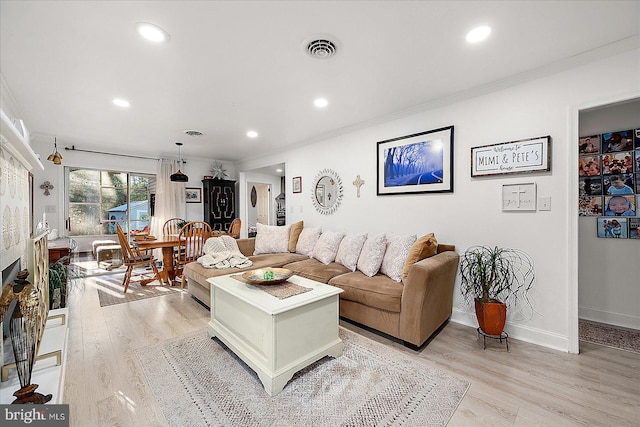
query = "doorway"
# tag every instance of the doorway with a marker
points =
(608, 299)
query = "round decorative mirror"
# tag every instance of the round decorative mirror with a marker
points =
(326, 191)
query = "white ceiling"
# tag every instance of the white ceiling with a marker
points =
(234, 66)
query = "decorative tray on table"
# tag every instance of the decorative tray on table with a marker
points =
(267, 276)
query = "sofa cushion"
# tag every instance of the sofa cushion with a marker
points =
(372, 254)
(294, 234)
(378, 291)
(315, 270)
(307, 240)
(272, 239)
(424, 247)
(349, 250)
(395, 256)
(327, 246)
(195, 271)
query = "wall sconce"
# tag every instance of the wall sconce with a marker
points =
(55, 157)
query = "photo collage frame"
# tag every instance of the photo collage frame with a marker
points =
(609, 182)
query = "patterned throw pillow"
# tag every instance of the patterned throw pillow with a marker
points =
(307, 240)
(350, 249)
(424, 247)
(296, 229)
(395, 256)
(372, 254)
(272, 239)
(327, 247)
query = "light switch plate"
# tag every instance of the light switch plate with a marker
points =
(544, 204)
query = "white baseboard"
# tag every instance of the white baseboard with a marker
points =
(519, 332)
(623, 320)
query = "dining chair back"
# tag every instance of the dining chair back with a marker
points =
(172, 226)
(133, 257)
(192, 239)
(234, 228)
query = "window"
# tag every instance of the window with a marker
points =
(99, 198)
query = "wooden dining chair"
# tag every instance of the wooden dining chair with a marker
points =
(192, 238)
(172, 226)
(234, 228)
(133, 257)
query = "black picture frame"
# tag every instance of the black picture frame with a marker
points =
(417, 163)
(193, 195)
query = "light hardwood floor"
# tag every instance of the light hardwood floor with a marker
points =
(531, 385)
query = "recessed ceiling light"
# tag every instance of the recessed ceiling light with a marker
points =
(478, 34)
(152, 32)
(121, 102)
(252, 134)
(320, 102)
(278, 170)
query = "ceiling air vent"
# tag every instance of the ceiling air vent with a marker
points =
(321, 46)
(193, 132)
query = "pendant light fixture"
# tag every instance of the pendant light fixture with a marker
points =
(55, 157)
(179, 176)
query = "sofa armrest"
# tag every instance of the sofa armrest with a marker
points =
(247, 246)
(427, 296)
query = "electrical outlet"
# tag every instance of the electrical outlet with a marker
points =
(544, 203)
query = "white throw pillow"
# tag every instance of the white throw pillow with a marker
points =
(307, 240)
(272, 239)
(372, 254)
(327, 246)
(395, 256)
(350, 249)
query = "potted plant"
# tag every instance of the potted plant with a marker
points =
(496, 279)
(60, 275)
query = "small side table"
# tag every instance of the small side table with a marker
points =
(503, 336)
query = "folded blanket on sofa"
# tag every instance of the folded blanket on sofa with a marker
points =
(223, 252)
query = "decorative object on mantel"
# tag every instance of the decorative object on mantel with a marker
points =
(521, 156)
(418, 163)
(519, 197)
(326, 191)
(179, 176)
(358, 183)
(496, 279)
(24, 313)
(218, 171)
(46, 186)
(55, 157)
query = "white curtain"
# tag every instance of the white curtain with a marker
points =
(170, 198)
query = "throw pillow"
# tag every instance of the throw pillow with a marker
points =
(395, 256)
(307, 240)
(327, 246)
(295, 233)
(372, 254)
(272, 239)
(350, 249)
(424, 247)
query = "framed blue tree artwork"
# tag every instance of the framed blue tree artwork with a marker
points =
(418, 163)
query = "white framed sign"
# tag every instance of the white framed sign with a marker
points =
(519, 197)
(522, 156)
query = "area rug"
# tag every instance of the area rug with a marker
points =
(609, 335)
(198, 381)
(110, 290)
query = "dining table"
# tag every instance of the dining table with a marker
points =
(166, 243)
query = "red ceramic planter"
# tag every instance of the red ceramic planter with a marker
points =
(492, 316)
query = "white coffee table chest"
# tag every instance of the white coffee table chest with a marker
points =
(276, 338)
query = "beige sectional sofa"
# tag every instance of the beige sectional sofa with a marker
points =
(410, 310)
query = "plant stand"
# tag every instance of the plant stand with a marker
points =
(503, 336)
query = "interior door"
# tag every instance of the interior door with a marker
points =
(263, 204)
